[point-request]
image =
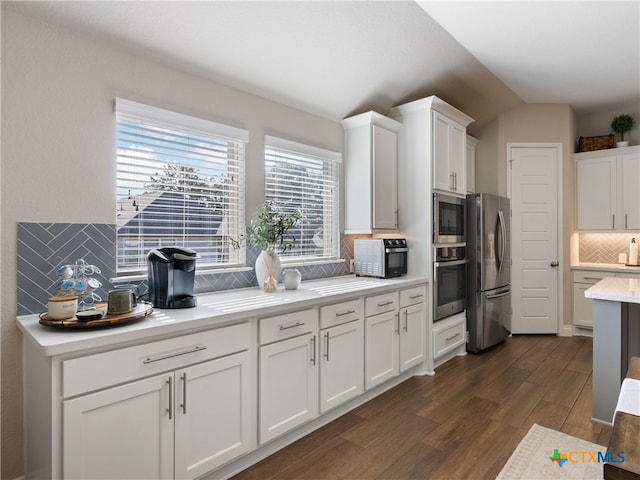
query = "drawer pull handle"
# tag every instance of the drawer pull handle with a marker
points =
(292, 325)
(413, 297)
(592, 278)
(448, 339)
(171, 355)
(342, 314)
(384, 304)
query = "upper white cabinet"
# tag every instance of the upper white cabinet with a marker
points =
(370, 171)
(437, 135)
(471, 163)
(608, 197)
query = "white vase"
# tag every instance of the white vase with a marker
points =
(623, 144)
(267, 262)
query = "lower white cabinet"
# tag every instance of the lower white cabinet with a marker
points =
(129, 431)
(449, 334)
(382, 349)
(412, 336)
(288, 375)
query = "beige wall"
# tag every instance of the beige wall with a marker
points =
(58, 151)
(535, 123)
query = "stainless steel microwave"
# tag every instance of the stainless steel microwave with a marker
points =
(380, 257)
(449, 222)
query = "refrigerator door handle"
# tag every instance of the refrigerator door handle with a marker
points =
(503, 242)
(498, 295)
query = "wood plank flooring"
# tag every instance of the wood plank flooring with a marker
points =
(464, 422)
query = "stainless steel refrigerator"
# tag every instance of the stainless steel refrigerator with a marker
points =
(489, 270)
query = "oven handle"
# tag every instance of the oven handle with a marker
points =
(451, 264)
(396, 250)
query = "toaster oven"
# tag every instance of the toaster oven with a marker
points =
(380, 257)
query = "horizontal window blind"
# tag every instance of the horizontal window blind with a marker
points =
(180, 182)
(305, 178)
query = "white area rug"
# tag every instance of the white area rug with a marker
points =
(532, 460)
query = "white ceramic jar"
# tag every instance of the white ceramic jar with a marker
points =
(62, 308)
(291, 278)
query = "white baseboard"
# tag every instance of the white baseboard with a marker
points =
(566, 331)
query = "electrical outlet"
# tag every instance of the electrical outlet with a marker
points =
(351, 266)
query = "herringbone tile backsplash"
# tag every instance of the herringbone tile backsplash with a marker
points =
(604, 247)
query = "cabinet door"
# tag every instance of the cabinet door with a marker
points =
(124, 432)
(412, 336)
(381, 348)
(385, 182)
(631, 192)
(212, 414)
(457, 154)
(442, 179)
(582, 306)
(341, 364)
(288, 385)
(596, 212)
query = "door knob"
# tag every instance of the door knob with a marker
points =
(554, 264)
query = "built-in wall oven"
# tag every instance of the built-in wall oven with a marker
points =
(449, 222)
(449, 280)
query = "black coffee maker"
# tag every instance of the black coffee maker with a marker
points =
(170, 274)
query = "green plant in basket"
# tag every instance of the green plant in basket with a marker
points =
(271, 228)
(622, 124)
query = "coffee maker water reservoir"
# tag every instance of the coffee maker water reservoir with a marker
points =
(170, 274)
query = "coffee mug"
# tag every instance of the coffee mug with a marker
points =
(121, 301)
(63, 307)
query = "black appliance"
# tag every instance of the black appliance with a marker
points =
(170, 274)
(449, 280)
(449, 224)
(489, 281)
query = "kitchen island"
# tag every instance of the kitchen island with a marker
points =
(616, 338)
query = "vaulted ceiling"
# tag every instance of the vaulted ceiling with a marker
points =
(339, 58)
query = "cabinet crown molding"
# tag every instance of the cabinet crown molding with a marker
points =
(432, 103)
(371, 118)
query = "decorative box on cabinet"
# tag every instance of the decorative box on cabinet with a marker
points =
(614, 174)
(370, 172)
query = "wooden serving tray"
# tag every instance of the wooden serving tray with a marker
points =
(142, 310)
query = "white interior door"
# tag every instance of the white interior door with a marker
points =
(534, 229)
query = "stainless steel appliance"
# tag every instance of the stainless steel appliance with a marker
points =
(170, 274)
(380, 257)
(449, 280)
(489, 279)
(449, 224)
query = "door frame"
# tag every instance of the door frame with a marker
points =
(562, 329)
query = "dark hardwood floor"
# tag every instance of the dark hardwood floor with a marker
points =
(464, 422)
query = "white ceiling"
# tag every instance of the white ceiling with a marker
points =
(339, 58)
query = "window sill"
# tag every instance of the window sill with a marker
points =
(211, 271)
(310, 263)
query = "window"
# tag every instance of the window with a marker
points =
(304, 178)
(180, 182)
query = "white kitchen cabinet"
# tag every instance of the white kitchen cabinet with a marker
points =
(471, 163)
(608, 197)
(370, 173)
(382, 351)
(449, 151)
(449, 334)
(413, 323)
(288, 379)
(129, 431)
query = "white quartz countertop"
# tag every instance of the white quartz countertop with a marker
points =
(607, 267)
(213, 309)
(616, 289)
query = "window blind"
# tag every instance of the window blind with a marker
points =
(180, 182)
(305, 178)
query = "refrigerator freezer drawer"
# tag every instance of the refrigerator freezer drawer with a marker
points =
(490, 321)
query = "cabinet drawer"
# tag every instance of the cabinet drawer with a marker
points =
(94, 372)
(290, 325)
(412, 296)
(449, 337)
(386, 302)
(340, 313)
(586, 276)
